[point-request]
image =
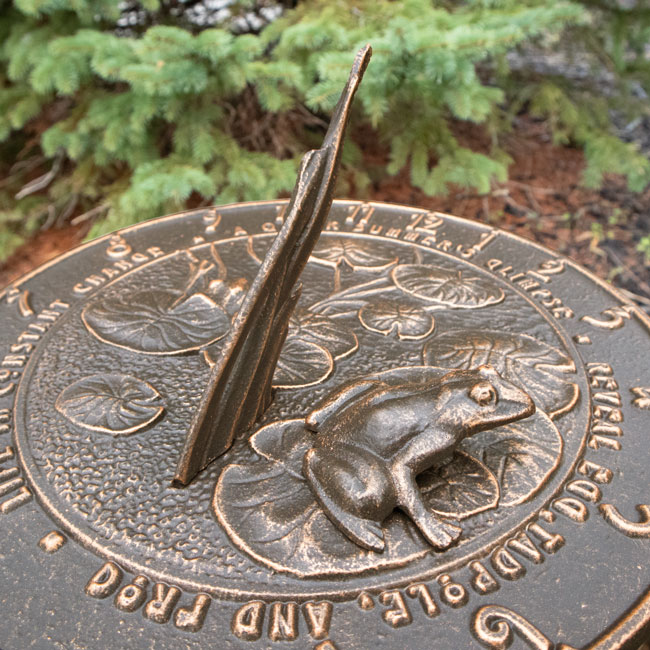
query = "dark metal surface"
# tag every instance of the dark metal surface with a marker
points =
(105, 355)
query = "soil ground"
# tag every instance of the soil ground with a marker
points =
(543, 201)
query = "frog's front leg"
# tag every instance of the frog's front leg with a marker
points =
(436, 530)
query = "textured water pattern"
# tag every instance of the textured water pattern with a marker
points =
(118, 489)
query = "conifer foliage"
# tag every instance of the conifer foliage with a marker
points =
(121, 124)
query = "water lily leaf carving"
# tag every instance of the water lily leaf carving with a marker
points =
(338, 339)
(410, 322)
(302, 363)
(313, 343)
(442, 286)
(543, 371)
(521, 455)
(157, 321)
(285, 442)
(268, 508)
(354, 254)
(269, 511)
(461, 488)
(110, 403)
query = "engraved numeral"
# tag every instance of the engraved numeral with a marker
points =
(549, 267)
(366, 210)
(616, 317)
(117, 248)
(280, 211)
(485, 238)
(630, 528)
(641, 397)
(22, 301)
(493, 626)
(211, 220)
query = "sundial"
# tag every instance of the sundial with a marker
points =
(322, 424)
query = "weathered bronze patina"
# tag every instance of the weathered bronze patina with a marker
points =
(454, 455)
(377, 434)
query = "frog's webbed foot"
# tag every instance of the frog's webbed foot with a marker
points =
(439, 533)
(364, 532)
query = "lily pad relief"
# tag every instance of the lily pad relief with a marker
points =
(545, 372)
(314, 342)
(157, 321)
(408, 322)
(269, 511)
(455, 289)
(110, 403)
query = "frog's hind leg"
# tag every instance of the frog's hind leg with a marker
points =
(438, 532)
(336, 496)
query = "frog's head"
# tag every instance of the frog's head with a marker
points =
(480, 399)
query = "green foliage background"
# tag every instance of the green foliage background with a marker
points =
(129, 123)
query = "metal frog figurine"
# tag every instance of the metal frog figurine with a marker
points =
(375, 437)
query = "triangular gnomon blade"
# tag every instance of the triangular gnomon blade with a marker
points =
(239, 387)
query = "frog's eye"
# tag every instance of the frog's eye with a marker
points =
(483, 394)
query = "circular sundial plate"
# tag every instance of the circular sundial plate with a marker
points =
(106, 352)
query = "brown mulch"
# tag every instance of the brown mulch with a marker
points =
(44, 246)
(543, 201)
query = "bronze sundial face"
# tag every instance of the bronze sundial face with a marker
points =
(106, 354)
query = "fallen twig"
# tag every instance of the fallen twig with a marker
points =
(636, 297)
(43, 181)
(90, 214)
(627, 271)
(532, 188)
(21, 167)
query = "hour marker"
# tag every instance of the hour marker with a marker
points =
(52, 542)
